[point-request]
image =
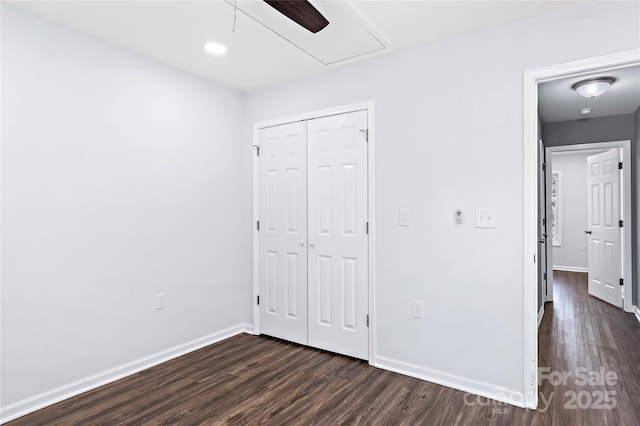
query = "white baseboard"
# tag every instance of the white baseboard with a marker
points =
(540, 314)
(637, 312)
(44, 399)
(570, 268)
(477, 388)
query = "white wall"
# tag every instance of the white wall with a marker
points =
(449, 135)
(122, 178)
(117, 183)
(572, 254)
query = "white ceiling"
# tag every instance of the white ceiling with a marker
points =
(266, 48)
(557, 101)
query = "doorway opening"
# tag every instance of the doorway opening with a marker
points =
(569, 236)
(531, 245)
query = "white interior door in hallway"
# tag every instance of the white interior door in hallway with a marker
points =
(605, 268)
(313, 241)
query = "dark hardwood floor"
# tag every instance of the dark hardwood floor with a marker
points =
(249, 380)
(583, 335)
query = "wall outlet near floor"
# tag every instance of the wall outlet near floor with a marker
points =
(418, 309)
(160, 301)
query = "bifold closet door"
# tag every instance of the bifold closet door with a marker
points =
(337, 234)
(283, 232)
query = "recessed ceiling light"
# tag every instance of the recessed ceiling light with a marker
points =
(585, 111)
(594, 87)
(215, 48)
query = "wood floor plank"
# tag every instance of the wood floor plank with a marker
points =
(254, 380)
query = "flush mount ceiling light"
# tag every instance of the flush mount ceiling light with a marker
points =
(215, 48)
(594, 87)
(585, 111)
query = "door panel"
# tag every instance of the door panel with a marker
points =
(338, 241)
(546, 293)
(604, 232)
(283, 233)
(548, 229)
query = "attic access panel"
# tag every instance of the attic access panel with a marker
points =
(343, 39)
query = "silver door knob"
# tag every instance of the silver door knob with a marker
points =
(587, 232)
(301, 243)
(311, 243)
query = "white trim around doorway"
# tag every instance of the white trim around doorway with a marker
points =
(531, 79)
(368, 106)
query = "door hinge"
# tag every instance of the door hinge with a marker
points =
(367, 320)
(621, 281)
(257, 147)
(367, 227)
(620, 224)
(620, 165)
(257, 225)
(366, 134)
(544, 276)
(544, 221)
(257, 300)
(544, 167)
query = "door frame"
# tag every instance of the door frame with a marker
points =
(625, 196)
(531, 79)
(368, 106)
(543, 225)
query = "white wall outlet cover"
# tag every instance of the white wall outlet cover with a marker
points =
(418, 309)
(403, 217)
(160, 301)
(486, 217)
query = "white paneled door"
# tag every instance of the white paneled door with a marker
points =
(283, 232)
(604, 230)
(313, 236)
(338, 253)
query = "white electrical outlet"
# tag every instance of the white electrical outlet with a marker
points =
(403, 217)
(160, 301)
(418, 309)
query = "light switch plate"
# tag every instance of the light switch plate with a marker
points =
(403, 217)
(485, 217)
